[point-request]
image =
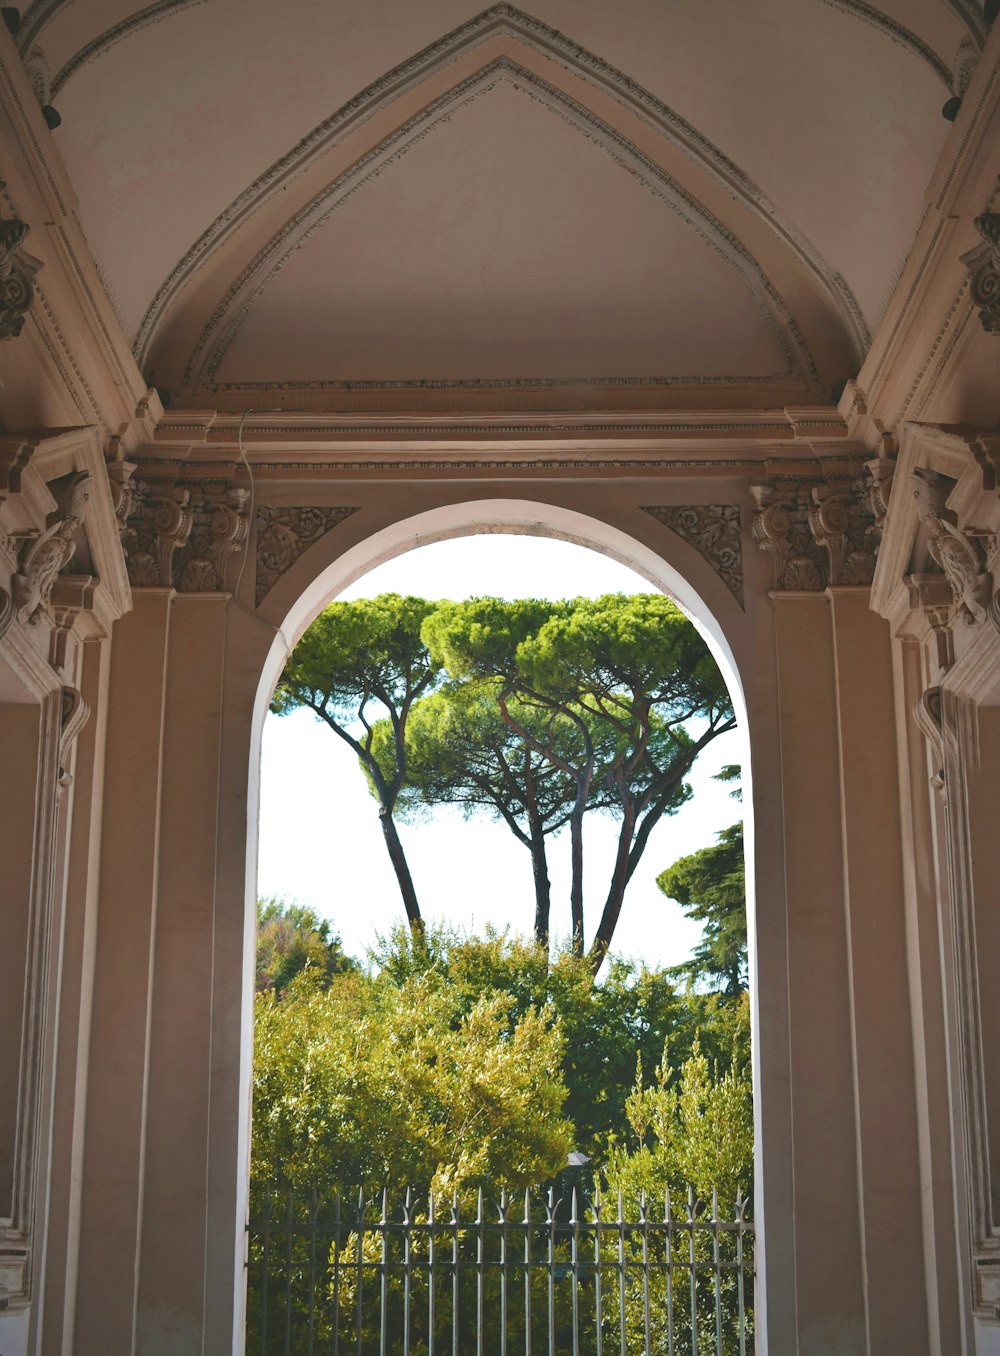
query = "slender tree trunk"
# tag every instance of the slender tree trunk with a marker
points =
(540, 872)
(405, 881)
(576, 884)
(616, 891)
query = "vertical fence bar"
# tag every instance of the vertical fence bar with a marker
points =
(384, 1288)
(361, 1266)
(550, 1211)
(621, 1275)
(407, 1259)
(527, 1272)
(668, 1226)
(265, 1264)
(598, 1309)
(311, 1279)
(692, 1209)
(646, 1316)
(574, 1253)
(288, 1275)
(717, 1266)
(740, 1207)
(336, 1273)
(430, 1274)
(503, 1272)
(454, 1274)
(479, 1274)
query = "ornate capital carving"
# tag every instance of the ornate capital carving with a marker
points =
(983, 264)
(17, 274)
(822, 535)
(958, 554)
(183, 539)
(781, 530)
(714, 531)
(43, 557)
(283, 533)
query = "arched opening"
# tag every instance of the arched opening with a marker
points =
(511, 517)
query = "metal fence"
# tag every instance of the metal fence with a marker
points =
(539, 1276)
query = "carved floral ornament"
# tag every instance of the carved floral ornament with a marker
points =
(194, 539)
(983, 264)
(819, 535)
(714, 531)
(17, 273)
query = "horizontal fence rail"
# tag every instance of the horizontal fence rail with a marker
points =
(535, 1276)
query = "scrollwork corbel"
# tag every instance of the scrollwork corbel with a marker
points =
(929, 717)
(983, 264)
(959, 555)
(781, 530)
(17, 275)
(74, 716)
(44, 556)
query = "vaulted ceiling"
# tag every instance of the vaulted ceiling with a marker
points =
(708, 199)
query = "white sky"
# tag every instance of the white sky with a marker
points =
(320, 842)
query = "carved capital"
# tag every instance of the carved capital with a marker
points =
(17, 274)
(158, 526)
(715, 533)
(283, 533)
(187, 539)
(983, 264)
(781, 530)
(959, 554)
(43, 557)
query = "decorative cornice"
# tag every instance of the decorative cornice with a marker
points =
(17, 277)
(899, 34)
(283, 533)
(714, 531)
(253, 281)
(607, 80)
(820, 535)
(983, 264)
(152, 14)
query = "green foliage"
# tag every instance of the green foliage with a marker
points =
(375, 1081)
(292, 938)
(693, 1130)
(630, 1012)
(710, 885)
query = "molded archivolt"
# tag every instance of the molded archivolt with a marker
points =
(199, 310)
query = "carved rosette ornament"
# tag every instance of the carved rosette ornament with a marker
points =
(714, 531)
(17, 274)
(983, 264)
(821, 535)
(283, 533)
(43, 557)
